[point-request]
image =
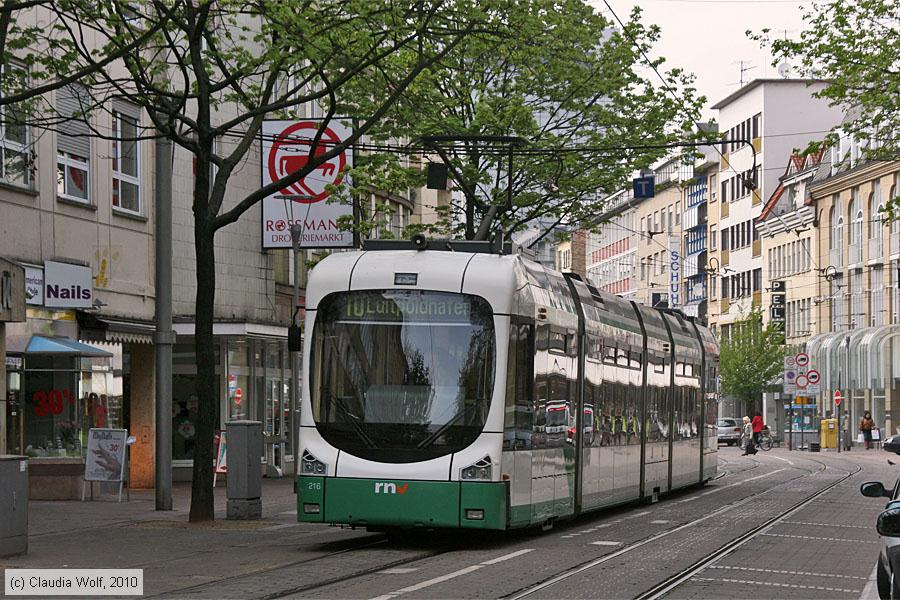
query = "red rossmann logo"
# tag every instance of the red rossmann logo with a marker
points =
(290, 153)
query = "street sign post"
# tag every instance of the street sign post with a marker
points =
(837, 413)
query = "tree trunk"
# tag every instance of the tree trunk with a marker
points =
(202, 505)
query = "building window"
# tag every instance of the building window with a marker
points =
(876, 296)
(126, 182)
(15, 163)
(73, 145)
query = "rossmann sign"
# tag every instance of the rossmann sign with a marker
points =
(287, 148)
(67, 285)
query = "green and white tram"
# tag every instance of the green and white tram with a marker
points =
(456, 387)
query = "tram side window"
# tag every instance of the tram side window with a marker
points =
(519, 401)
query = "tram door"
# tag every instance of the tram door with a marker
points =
(656, 425)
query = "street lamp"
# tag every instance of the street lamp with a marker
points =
(294, 337)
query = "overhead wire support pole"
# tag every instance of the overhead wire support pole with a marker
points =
(296, 230)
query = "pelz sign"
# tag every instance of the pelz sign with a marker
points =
(67, 286)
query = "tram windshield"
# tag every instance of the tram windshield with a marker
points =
(401, 375)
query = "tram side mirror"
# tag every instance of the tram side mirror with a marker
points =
(888, 523)
(874, 489)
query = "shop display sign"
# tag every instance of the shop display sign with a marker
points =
(67, 285)
(105, 459)
(34, 286)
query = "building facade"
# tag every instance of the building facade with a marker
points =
(762, 124)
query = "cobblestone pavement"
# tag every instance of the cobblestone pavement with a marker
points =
(826, 549)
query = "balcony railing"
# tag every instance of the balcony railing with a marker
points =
(836, 257)
(854, 254)
(876, 248)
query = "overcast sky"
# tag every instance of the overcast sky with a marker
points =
(707, 37)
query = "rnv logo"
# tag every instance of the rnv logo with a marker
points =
(390, 488)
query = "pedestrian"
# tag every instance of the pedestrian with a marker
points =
(757, 427)
(747, 438)
(866, 424)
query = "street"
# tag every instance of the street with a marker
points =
(774, 525)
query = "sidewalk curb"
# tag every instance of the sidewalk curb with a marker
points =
(870, 592)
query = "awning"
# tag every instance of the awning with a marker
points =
(58, 346)
(93, 328)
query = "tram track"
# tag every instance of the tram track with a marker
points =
(685, 574)
(666, 586)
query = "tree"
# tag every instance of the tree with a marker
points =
(751, 357)
(854, 47)
(219, 68)
(565, 78)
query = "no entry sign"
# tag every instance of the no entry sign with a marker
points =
(287, 148)
(838, 398)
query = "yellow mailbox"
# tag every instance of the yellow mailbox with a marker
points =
(829, 433)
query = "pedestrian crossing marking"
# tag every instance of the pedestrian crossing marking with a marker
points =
(825, 525)
(606, 543)
(777, 571)
(827, 539)
(399, 570)
(795, 586)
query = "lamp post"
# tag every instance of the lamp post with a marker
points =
(294, 338)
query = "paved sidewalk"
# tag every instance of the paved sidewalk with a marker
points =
(173, 552)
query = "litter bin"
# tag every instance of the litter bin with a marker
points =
(828, 433)
(814, 446)
(13, 505)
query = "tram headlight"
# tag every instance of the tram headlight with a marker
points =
(478, 471)
(310, 465)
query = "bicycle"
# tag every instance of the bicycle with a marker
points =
(765, 440)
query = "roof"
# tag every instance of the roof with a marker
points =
(755, 84)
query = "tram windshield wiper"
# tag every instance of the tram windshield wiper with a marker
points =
(351, 418)
(446, 426)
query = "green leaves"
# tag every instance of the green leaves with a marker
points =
(751, 358)
(855, 47)
(561, 76)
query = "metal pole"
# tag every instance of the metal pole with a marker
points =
(165, 337)
(296, 232)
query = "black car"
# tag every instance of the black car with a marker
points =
(888, 526)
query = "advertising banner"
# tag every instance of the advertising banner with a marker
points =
(105, 459)
(285, 149)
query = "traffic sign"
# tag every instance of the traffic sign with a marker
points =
(812, 376)
(802, 359)
(837, 397)
(238, 396)
(789, 361)
(801, 382)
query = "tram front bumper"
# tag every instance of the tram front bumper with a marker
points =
(394, 503)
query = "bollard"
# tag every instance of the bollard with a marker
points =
(13, 505)
(244, 484)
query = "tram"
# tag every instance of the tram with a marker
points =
(454, 385)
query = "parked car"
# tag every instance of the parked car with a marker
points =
(729, 431)
(888, 526)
